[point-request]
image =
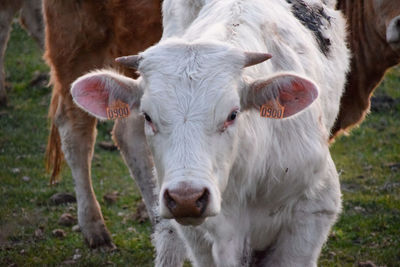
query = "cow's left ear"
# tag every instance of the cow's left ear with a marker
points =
(106, 94)
(280, 96)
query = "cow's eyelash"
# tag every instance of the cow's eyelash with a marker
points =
(230, 120)
(147, 117)
(233, 115)
(149, 121)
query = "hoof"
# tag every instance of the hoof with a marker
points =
(97, 236)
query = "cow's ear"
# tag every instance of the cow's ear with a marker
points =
(106, 94)
(280, 96)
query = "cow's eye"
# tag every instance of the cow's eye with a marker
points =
(233, 115)
(147, 117)
(149, 122)
(230, 120)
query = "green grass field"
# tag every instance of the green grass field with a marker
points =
(368, 162)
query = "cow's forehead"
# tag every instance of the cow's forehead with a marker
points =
(176, 60)
(180, 74)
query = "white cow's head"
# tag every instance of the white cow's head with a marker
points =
(191, 96)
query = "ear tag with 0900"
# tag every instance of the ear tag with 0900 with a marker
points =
(118, 109)
(272, 109)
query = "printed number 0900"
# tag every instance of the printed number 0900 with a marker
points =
(118, 113)
(269, 112)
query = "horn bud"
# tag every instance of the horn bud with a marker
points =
(254, 58)
(129, 61)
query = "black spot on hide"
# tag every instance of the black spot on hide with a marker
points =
(312, 17)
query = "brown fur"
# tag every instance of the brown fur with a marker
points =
(82, 35)
(54, 155)
(372, 56)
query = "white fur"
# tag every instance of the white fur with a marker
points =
(278, 184)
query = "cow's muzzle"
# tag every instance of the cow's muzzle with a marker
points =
(189, 201)
(185, 201)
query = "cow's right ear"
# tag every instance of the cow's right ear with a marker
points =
(100, 91)
(279, 96)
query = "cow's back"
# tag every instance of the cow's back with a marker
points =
(96, 32)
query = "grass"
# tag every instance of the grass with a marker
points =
(368, 228)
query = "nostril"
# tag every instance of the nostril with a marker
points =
(169, 201)
(202, 201)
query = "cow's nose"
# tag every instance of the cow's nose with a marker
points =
(186, 201)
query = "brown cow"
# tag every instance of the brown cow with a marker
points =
(374, 27)
(30, 18)
(82, 35)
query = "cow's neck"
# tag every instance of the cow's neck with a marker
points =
(371, 56)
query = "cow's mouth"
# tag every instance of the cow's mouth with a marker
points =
(190, 221)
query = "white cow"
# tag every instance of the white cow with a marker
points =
(242, 189)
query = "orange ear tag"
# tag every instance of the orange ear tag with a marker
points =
(117, 110)
(272, 109)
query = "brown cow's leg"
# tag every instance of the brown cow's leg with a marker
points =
(78, 134)
(32, 19)
(77, 41)
(8, 9)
